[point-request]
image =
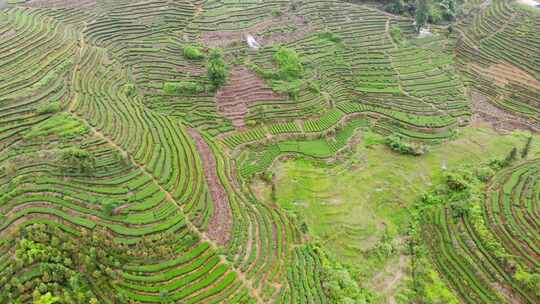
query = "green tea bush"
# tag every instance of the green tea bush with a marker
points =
(193, 53)
(183, 88)
(276, 13)
(327, 35)
(171, 88)
(49, 108)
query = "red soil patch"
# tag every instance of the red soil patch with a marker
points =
(85, 4)
(484, 110)
(220, 225)
(244, 88)
(227, 38)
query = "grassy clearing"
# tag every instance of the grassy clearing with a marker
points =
(358, 204)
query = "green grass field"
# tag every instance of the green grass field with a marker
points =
(352, 204)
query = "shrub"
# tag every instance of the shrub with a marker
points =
(49, 108)
(190, 87)
(171, 88)
(456, 181)
(183, 88)
(217, 69)
(130, 90)
(510, 158)
(193, 53)
(314, 86)
(292, 88)
(47, 298)
(529, 279)
(276, 13)
(460, 209)
(78, 159)
(327, 35)
(290, 66)
(339, 284)
(484, 173)
(265, 74)
(525, 151)
(398, 144)
(495, 163)
(395, 33)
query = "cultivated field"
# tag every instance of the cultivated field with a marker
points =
(139, 142)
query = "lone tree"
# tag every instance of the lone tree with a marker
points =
(217, 69)
(511, 157)
(527, 147)
(422, 14)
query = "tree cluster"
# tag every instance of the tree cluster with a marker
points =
(217, 68)
(424, 11)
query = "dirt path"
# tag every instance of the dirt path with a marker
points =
(387, 32)
(70, 107)
(500, 29)
(407, 93)
(466, 38)
(203, 237)
(220, 225)
(386, 282)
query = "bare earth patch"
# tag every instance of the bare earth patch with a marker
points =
(220, 225)
(243, 89)
(503, 73)
(386, 282)
(500, 120)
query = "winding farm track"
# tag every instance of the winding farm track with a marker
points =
(219, 228)
(205, 237)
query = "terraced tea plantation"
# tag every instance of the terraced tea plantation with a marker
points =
(133, 135)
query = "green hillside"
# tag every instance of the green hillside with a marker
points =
(276, 151)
